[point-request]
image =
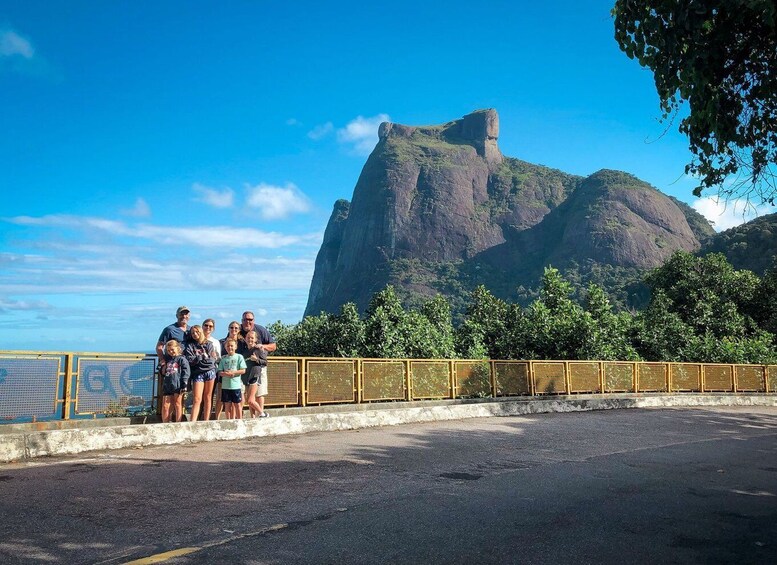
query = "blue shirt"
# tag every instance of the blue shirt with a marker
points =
(174, 332)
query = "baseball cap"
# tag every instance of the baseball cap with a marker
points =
(181, 309)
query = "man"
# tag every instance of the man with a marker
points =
(266, 342)
(178, 331)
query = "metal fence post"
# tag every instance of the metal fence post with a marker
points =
(68, 387)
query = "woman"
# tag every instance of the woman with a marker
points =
(202, 360)
(207, 328)
(232, 333)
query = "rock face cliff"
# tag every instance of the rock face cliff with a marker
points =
(440, 209)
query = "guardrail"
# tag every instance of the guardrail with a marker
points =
(45, 385)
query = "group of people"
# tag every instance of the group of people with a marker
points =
(235, 367)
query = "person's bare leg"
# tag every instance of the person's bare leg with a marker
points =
(196, 401)
(207, 398)
(167, 401)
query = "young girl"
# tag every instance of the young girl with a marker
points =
(255, 377)
(176, 378)
(202, 360)
(231, 367)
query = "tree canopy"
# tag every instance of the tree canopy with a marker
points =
(702, 309)
(719, 56)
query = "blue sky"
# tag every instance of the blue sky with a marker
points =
(157, 154)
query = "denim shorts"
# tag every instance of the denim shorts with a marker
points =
(205, 377)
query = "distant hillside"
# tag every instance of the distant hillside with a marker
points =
(751, 246)
(439, 209)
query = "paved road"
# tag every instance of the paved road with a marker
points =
(628, 486)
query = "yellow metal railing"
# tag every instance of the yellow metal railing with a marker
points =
(50, 385)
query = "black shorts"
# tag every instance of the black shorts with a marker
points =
(252, 375)
(231, 395)
(169, 389)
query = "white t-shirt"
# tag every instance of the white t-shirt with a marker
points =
(216, 346)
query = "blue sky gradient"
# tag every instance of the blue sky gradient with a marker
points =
(157, 154)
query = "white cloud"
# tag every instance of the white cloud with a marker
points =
(321, 131)
(203, 237)
(140, 210)
(11, 43)
(217, 198)
(362, 133)
(277, 202)
(75, 273)
(293, 122)
(728, 214)
(23, 305)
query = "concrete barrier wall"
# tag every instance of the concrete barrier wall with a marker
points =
(24, 445)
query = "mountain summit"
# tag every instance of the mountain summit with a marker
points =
(439, 209)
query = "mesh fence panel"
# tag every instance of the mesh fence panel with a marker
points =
(549, 378)
(115, 387)
(383, 380)
(718, 378)
(619, 377)
(473, 378)
(331, 381)
(282, 382)
(512, 378)
(431, 379)
(750, 378)
(29, 388)
(686, 376)
(652, 377)
(584, 377)
(772, 373)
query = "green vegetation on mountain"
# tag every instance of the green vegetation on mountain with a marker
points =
(752, 245)
(701, 309)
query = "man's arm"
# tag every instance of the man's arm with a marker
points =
(268, 342)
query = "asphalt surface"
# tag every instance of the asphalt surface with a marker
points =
(619, 486)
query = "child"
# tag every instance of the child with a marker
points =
(176, 379)
(202, 360)
(255, 377)
(231, 367)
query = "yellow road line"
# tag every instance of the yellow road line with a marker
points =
(161, 557)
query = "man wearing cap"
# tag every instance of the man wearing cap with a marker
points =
(177, 331)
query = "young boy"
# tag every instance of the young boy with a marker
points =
(176, 378)
(231, 367)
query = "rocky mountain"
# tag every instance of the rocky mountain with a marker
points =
(440, 209)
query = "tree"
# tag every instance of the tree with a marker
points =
(552, 325)
(383, 324)
(346, 331)
(719, 56)
(483, 326)
(607, 333)
(701, 311)
(707, 293)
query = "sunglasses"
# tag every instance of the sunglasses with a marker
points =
(248, 319)
(234, 327)
(207, 325)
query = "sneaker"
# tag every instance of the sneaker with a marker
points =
(264, 415)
